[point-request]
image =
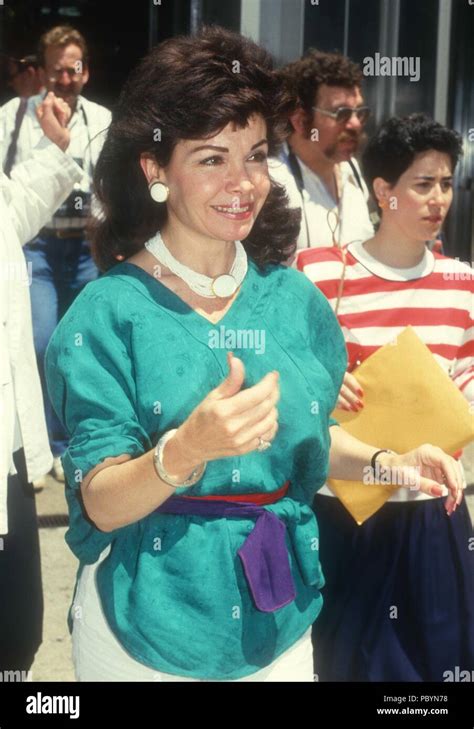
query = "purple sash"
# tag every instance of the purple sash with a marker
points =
(264, 553)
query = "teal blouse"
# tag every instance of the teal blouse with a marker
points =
(129, 361)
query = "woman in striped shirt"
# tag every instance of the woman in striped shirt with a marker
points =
(408, 555)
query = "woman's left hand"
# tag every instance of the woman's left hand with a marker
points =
(428, 469)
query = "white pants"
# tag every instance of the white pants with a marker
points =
(98, 655)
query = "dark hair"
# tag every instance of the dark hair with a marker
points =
(21, 61)
(18, 59)
(189, 88)
(315, 68)
(392, 149)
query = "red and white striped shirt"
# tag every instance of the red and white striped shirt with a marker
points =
(378, 302)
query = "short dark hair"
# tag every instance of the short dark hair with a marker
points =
(392, 149)
(19, 57)
(21, 64)
(305, 76)
(189, 87)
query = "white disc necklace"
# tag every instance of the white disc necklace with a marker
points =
(221, 287)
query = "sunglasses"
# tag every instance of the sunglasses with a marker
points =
(344, 113)
(21, 65)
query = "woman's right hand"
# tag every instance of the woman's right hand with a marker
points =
(230, 421)
(350, 394)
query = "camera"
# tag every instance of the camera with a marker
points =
(77, 205)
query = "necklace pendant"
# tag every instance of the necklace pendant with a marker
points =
(221, 287)
(224, 286)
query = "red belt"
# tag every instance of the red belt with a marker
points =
(260, 499)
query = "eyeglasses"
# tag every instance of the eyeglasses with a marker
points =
(57, 73)
(344, 113)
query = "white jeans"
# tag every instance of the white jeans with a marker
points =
(98, 655)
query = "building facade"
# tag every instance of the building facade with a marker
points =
(416, 56)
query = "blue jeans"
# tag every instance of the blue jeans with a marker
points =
(59, 268)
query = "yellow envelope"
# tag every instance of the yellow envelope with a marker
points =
(408, 400)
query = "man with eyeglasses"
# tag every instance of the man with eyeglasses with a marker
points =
(60, 255)
(317, 165)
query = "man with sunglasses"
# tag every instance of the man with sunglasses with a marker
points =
(60, 255)
(317, 165)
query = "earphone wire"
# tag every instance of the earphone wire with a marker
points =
(298, 177)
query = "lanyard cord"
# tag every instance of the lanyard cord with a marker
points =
(89, 140)
(298, 176)
(342, 248)
(341, 282)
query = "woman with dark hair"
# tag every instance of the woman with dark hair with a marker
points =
(174, 451)
(406, 556)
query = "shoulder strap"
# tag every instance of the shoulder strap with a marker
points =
(11, 154)
(356, 175)
(296, 171)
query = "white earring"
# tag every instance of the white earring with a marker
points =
(159, 192)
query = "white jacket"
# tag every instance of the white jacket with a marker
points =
(38, 186)
(88, 126)
(352, 222)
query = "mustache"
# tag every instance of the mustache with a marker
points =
(349, 136)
